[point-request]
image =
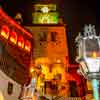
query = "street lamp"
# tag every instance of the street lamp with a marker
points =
(89, 56)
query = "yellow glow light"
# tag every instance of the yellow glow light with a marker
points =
(31, 69)
(20, 44)
(27, 48)
(94, 55)
(4, 34)
(1, 96)
(13, 40)
(58, 61)
(45, 9)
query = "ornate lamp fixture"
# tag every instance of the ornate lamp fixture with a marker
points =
(89, 55)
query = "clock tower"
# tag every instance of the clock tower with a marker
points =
(50, 40)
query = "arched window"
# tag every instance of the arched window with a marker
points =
(20, 42)
(5, 31)
(13, 37)
(27, 45)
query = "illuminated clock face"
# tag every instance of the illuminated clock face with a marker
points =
(45, 9)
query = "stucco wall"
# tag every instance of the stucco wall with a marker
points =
(4, 85)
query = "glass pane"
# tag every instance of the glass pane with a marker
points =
(92, 46)
(93, 64)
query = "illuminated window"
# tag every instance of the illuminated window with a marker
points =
(13, 37)
(27, 45)
(20, 42)
(5, 32)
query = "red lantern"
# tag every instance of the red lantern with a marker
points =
(13, 37)
(5, 32)
(20, 42)
(27, 46)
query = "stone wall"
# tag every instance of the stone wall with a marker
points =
(16, 88)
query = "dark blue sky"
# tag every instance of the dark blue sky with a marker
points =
(76, 13)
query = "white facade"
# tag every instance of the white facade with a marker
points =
(4, 86)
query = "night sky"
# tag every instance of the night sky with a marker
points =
(76, 13)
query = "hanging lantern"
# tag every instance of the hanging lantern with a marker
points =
(20, 42)
(5, 32)
(27, 46)
(13, 37)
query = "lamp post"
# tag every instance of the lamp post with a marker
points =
(89, 56)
